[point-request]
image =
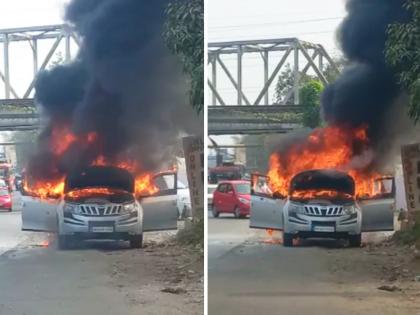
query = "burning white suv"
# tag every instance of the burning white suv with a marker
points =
(321, 203)
(99, 203)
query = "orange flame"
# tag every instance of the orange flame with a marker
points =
(61, 139)
(325, 148)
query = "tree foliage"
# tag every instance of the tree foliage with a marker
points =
(403, 54)
(310, 95)
(184, 35)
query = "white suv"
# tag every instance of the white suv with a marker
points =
(99, 215)
(331, 212)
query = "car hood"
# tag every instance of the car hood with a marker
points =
(100, 176)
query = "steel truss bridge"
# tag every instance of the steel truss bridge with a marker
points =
(259, 115)
(17, 110)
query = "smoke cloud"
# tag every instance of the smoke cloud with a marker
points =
(367, 91)
(124, 86)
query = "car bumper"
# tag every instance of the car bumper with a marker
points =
(244, 209)
(310, 226)
(6, 205)
(80, 225)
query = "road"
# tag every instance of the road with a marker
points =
(97, 277)
(251, 273)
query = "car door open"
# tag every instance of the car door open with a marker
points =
(160, 210)
(266, 207)
(378, 212)
(39, 214)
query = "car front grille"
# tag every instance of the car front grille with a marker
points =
(323, 211)
(99, 210)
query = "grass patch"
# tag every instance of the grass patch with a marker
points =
(192, 234)
(410, 236)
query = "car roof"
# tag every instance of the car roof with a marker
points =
(233, 182)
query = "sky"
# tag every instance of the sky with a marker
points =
(314, 21)
(24, 13)
(19, 13)
(309, 20)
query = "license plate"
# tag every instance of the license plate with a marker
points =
(318, 228)
(102, 229)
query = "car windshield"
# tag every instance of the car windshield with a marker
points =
(243, 189)
(3, 192)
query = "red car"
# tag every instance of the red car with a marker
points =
(5, 199)
(232, 197)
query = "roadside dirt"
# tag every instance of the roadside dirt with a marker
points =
(101, 278)
(179, 272)
(390, 272)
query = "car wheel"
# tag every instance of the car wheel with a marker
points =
(63, 242)
(287, 240)
(136, 241)
(237, 213)
(214, 212)
(355, 240)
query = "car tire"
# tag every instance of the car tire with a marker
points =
(63, 242)
(237, 213)
(355, 240)
(214, 212)
(136, 241)
(287, 240)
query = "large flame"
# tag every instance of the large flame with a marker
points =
(331, 147)
(61, 140)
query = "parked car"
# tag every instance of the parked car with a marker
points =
(5, 199)
(87, 212)
(332, 212)
(183, 201)
(210, 190)
(232, 197)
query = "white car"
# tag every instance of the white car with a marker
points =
(332, 212)
(87, 212)
(210, 190)
(183, 201)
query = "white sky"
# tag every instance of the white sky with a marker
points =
(265, 19)
(19, 13)
(309, 20)
(23, 13)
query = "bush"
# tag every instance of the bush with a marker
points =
(192, 234)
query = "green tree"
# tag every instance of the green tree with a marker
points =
(403, 54)
(310, 95)
(184, 35)
(285, 84)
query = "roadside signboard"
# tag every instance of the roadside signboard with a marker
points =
(194, 159)
(410, 155)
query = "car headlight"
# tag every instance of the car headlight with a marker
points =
(71, 208)
(349, 210)
(128, 208)
(243, 200)
(293, 208)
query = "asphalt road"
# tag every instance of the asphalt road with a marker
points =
(10, 222)
(96, 278)
(250, 272)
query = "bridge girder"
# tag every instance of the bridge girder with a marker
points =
(304, 56)
(225, 120)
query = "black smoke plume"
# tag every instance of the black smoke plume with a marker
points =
(367, 91)
(124, 86)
